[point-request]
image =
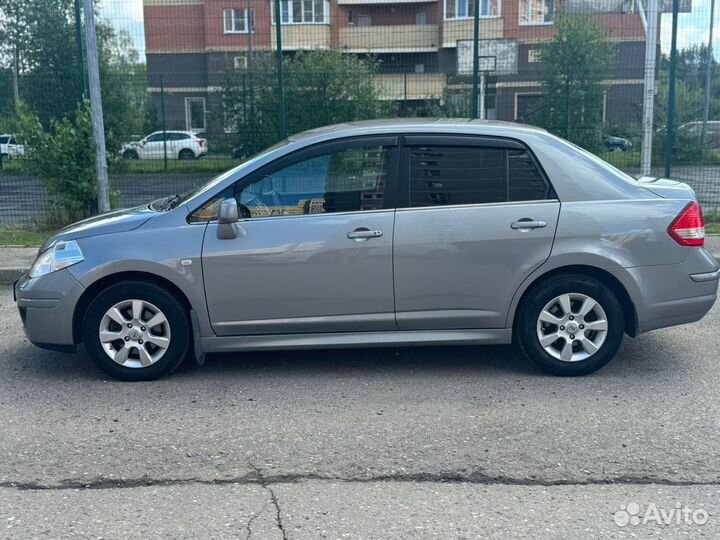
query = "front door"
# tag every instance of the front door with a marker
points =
(154, 147)
(314, 252)
(479, 217)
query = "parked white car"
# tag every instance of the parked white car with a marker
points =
(9, 148)
(177, 144)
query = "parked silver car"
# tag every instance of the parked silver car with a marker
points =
(381, 233)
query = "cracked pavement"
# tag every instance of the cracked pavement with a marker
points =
(461, 442)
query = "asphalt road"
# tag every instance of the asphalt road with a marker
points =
(377, 443)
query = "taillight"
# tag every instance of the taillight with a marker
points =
(688, 229)
(201, 141)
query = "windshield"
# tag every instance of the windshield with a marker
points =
(186, 198)
(4, 140)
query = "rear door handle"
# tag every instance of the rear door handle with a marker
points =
(526, 224)
(364, 234)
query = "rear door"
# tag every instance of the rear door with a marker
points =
(479, 216)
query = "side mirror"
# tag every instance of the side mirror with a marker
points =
(227, 219)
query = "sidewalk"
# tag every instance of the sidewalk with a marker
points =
(15, 261)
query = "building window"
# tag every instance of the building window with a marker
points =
(537, 11)
(239, 21)
(534, 56)
(240, 62)
(420, 19)
(303, 11)
(527, 107)
(465, 9)
(195, 114)
(364, 20)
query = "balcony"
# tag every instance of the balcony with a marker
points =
(491, 28)
(410, 86)
(397, 38)
(383, 2)
(296, 37)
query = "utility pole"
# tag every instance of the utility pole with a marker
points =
(96, 104)
(16, 60)
(79, 47)
(650, 18)
(280, 82)
(476, 62)
(670, 135)
(708, 78)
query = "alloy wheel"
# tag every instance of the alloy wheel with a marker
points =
(134, 333)
(572, 327)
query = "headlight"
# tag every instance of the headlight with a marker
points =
(60, 255)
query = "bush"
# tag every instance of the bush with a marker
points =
(64, 157)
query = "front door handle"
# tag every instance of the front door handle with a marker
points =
(363, 234)
(527, 224)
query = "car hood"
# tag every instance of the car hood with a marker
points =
(111, 222)
(667, 188)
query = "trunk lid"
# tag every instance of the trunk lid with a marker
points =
(667, 188)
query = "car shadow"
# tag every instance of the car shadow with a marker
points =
(447, 359)
(652, 353)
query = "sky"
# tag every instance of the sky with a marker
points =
(692, 27)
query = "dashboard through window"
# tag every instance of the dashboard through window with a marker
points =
(348, 180)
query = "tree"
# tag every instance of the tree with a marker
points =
(43, 31)
(64, 157)
(575, 66)
(321, 87)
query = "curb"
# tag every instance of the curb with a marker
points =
(8, 276)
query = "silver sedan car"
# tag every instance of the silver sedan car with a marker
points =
(381, 233)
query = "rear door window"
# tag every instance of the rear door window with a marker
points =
(449, 175)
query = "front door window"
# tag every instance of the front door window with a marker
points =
(351, 180)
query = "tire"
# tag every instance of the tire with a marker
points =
(158, 360)
(186, 153)
(592, 348)
(131, 154)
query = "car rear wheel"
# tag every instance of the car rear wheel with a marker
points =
(130, 154)
(136, 331)
(186, 154)
(570, 325)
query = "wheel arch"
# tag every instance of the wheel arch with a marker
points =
(602, 275)
(94, 289)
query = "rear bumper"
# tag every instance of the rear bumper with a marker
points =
(669, 295)
(47, 305)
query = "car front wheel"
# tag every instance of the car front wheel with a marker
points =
(570, 325)
(136, 331)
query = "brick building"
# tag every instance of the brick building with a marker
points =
(420, 43)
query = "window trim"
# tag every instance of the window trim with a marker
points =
(456, 139)
(249, 24)
(532, 23)
(326, 13)
(318, 149)
(469, 17)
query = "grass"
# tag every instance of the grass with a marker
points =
(203, 165)
(18, 236)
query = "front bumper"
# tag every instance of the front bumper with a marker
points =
(47, 305)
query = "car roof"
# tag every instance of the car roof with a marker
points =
(418, 125)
